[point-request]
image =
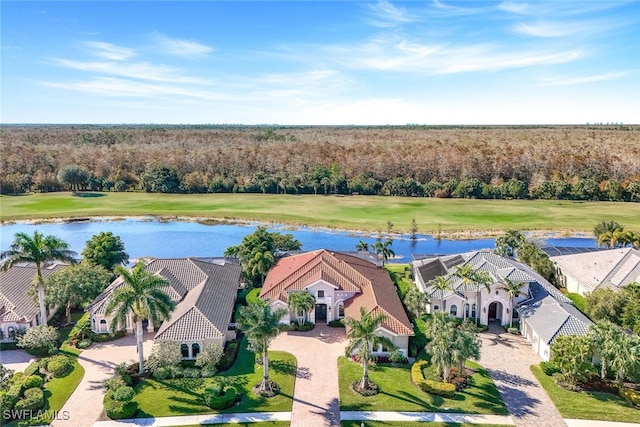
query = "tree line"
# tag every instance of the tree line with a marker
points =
(563, 162)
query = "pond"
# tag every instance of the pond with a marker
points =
(176, 239)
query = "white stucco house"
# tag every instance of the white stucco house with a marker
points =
(340, 283)
(583, 273)
(543, 312)
(204, 291)
(18, 308)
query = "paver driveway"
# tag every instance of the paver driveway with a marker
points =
(316, 396)
(508, 357)
(85, 404)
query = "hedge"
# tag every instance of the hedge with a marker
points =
(430, 386)
(549, 368)
(229, 356)
(630, 395)
(33, 399)
(59, 365)
(223, 401)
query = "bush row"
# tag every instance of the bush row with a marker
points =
(430, 386)
(630, 395)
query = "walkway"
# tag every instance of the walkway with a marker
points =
(85, 404)
(508, 357)
(316, 396)
(431, 417)
(186, 420)
(17, 360)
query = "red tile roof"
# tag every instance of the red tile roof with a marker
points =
(372, 286)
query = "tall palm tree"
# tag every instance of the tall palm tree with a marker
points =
(472, 280)
(440, 286)
(260, 325)
(261, 262)
(440, 330)
(142, 297)
(362, 246)
(416, 301)
(514, 290)
(37, 249)
(362, 338)
(606, 338)
(301, 303)
(383, 250)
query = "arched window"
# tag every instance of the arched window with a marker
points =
(473, 310)
(341, 310)
(453, 310)
(103, 322)
(184, 349)
(195, 349)
(11, 333)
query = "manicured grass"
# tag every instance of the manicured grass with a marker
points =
(161, 398)
(261, 424)
(398, 393)
(587, 405)
(578, 300)
(342, 212)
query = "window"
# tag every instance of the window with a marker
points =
(11, 332)
(341, 310)
(514, 314)
(453, 310)
(320, 294)
(473, 310)
(195, 349)
(184, 349)
(103, 322)
(436, 307)
(466, 310)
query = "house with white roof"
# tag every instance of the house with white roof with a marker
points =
(204, 291)
(583, 273)
(544, 312)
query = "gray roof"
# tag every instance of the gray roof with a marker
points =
(204, 290)
(16, 303)
(613, 268)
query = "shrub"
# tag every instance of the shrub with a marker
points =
(118, 410)
(59, 365)
(9, 398)
(338, 323)
(430, 386)
(40, 341)
(33, 399)
(215, 399)
(396, 356)
(32, 381)
(209, 356)
(84, 344)
(123, 394)
(33, 369)
(549, 368)
(306, 326)
(107, 337)
(114, 383)
(513, 331)
(253, 297)
(197, 373)
(165, 354)
(630, 395)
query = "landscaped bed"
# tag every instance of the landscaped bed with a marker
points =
(587, 405)
(398, 393)
(171, 397)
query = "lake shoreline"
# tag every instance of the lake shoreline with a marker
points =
(470, 234)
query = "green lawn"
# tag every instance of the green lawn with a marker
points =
(587, 405)
(161, 398)
(398, 393)
(342, 212)
(261, 424)
(411, 424)
(578, 300)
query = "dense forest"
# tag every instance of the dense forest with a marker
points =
(548, 162)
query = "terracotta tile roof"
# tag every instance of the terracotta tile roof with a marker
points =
(16, 303)
(372, 286)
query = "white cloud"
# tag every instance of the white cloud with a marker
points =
(517, 8)
(110, 51)
(573, 80)
(139, 70)
(181, 47)
(556, 29)
(385, 14)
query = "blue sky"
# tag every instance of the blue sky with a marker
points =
(325, 62)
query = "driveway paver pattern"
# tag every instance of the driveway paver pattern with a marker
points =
(507, 358)
(85, 404)
(316, 396)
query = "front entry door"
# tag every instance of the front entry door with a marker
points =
(492, 311)
(321, 313)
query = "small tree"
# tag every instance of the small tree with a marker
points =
(383, 250)
(106, 250)
(164, 354)
(416, 302)
(514, 290)
(508, 243)
(571, 353)
(301, 303)
(362, 246)
(40, 340)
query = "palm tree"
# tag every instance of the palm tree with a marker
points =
(362, 246)
(260, 325)
(416, 301)
(383, 250)
(142, 297)
(514, 290)
(301, 303)
(440, 286)
(38, 250)
(440, 330)
(260, 263)
(472, 279)
(612, 239)
(362, 338)
(605, 338)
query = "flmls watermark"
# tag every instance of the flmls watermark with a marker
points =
(30, 414)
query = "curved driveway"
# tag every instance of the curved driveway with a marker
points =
(316, 396)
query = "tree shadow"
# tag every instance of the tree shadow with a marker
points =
(518, 401)
(283, 367)
(331, 413)
(86, 194)
(510, 379)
